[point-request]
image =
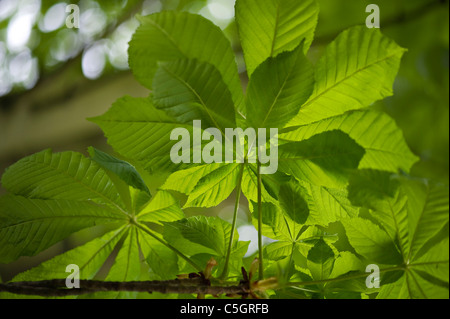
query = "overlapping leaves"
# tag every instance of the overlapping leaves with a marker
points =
(327, 132)
(53, 195)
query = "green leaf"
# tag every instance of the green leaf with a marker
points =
(376, 132)
(250, 185)
(293, 205)
(320, 260)
(357, 69)
(89, 257)
(278, 250)
(29, 226)
(277, 89)
(59, 194)
(67, 175)
(370, 188)
(204, 237)
(206, 186)
(211, 233)
(126, 266)
(191, 90)
(379, 191)
(326, 205)
(345, 263)
(426, 278)
(325, 159)
(414, 214)
(162, 261)
(122, 169)
(276, 225)
(269, 27)
(169, 36)
(371, 242)
(162, 208)
(428, 214)
(137, 130)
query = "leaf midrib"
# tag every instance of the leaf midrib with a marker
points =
(44, 165)
(200, 99)
(348, 77)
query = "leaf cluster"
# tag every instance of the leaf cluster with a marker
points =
(341, 198)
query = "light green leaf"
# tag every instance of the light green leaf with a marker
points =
(137, 130)
(162, 208)
(277, 89)
(376, 132)
(89, 258)
(210, 233)
(214, 187)
(276, 225)
(126, 266)
(206, 185)
(67, 175)
(204, 237)
(371, 242)
(357, 69)
(345, 263)
(191, 90)
(29, 226)
(325, 159)
(269, 27)
(168, 36)
(428, 214)
(278, 250)
(320, 260)
(414, 214)
(162, 261)
(250, 185)
(184, 181)
(326, 205)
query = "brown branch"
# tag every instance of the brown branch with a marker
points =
(57, 287)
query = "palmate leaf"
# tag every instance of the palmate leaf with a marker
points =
(357, 69)
(52, 196)
(89, 258)
(269, 27)
(413, 215)
(169, 36)
(288, 221)
(39, 211)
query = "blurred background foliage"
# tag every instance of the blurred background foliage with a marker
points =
(52, 77)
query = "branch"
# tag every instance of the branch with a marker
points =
(57, 287)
